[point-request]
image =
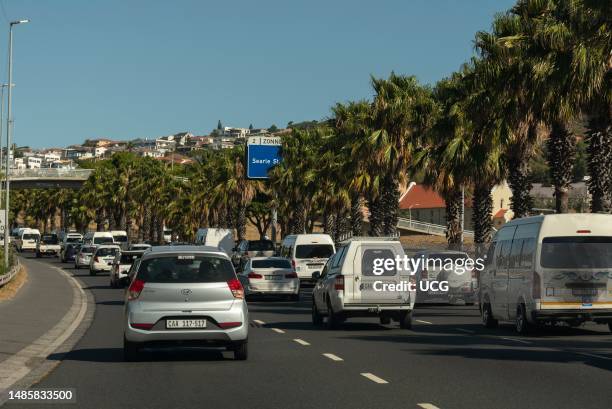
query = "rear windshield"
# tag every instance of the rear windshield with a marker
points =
(137, 247)
(261, 245)
(73, 239)
(372, 262)
(128, 258)
(103, 240)
(278, 263)
(30, 236)
(186, 269)
(88, 249)
(51, 239)
(577, 252)
(106, 252)
(314, 251)
(120, 239)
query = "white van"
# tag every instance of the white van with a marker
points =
(353, 284)
(215, 237)
(27, 240)
(308, 252)
(548, 269)
(121, 238)
(98, 237)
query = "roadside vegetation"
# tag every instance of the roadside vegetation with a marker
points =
(545, 65)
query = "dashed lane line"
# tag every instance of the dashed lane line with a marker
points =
(467, 331)
(373, 377)
(301, 342)
(333, 357)
(593, 355)
(516, 340)
(427, 406)
(280, 331)
(424, 322)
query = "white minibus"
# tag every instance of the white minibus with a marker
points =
(308, 252)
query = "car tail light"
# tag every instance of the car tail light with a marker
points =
(96, 259)
(339, 283)
(583, 231)
(412, 280)
(226, 325)
(253, 274)
(292, 274)
(142, 326)
(293, 263)
(236, 288)
(135, 289)
(424, 273)
(537, 286)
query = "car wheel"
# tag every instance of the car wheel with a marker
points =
(294, 297)
(91, 272)
(130, 350)
(487, 316)
(406, 320)
(333, 320)
(241, 351)
(385, 320)
(37, 254)
(521, 323)
(610, 326)
(317, 318)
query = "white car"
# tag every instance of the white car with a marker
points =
(83, 257)
(48, 245)
(139, 246)
(102, 258)
(271, 276)
(351, 286)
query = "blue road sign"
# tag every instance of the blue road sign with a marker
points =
(262, 156)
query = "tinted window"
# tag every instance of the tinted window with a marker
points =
(106, 252)
(314, 251)
(49, 239)
(120, 239)
(88, 249)
(529, 246)
(103, 240)
(128, 258)
(278, 263)
(185, 269)
(576, 252)
(30, 236)
(73, 239)
(490, 254)
(367, 262)
(260, 245)
(515, 253)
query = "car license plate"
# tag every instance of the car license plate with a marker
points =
(315, 265)
(273, 278)
(185, 323)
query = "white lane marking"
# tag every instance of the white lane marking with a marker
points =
(427, 406)
(424, 322)
(301, 341)
(594, 355)
(516, 340)
(467, 331)
(333, 357)
(373, 377)
(259, 322)
(280, 331)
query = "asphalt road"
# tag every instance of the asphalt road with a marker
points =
(448, 360)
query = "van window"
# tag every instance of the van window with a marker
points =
(338, 256)
(576, 252)
(490, 254)
(29, 236)
(503, 254)
(314, 251)
(514, 260)
(103, 240)
(186, 269)
(260, 245)
(120, 239)
(529, 247)
(49, 239)
(367, 262)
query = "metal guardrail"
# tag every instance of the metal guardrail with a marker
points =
(5, 278)
(50, 173)
(428, 228)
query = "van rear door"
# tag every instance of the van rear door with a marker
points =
(372, 282)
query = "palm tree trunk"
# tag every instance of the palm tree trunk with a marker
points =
(241, 222)
(376, 217)
(146, 224)
(328, 222)
(390, 199)
(298, 222)
(453, 218)
(561, 155)
(482, 204)
(599, 164)
(356, 216)
(519, 176)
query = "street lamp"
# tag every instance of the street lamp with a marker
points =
(8, 141)
(2, 86)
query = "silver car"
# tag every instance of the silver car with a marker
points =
(188, 295)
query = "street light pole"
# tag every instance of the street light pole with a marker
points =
(8, 141)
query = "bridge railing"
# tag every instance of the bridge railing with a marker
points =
(48, 173)
(428, 228)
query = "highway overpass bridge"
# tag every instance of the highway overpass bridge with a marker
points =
(48, 178)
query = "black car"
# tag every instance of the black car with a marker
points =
(70, 252)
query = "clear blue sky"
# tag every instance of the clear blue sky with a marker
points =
(144, 68)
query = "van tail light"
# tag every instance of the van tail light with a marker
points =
(141, 326)
(236, 288)
(537, 286)
(135, 289)
(339, 283)
(292, 274)
(253, 274)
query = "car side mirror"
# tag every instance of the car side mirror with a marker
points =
(316, 276)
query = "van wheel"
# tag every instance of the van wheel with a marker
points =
(317, 319)
(241, 351)
(333, 320)
(385, 320)
(406, 320)
(130, 350)
(521, 323)
(487, 316)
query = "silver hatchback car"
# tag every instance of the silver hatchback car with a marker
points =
(187, 295)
